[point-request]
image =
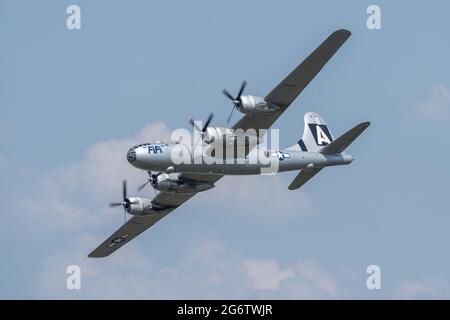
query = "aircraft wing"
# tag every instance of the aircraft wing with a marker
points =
(289, 89)
(131, 229)
(138, 224)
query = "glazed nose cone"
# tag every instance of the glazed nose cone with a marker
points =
(131, 155)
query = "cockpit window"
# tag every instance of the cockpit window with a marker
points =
(141, 145)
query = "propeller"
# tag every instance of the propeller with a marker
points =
(236, 101)
(125, 203)
(205, 126)
(153, 178)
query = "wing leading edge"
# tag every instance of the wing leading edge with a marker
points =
(138, 224)
(291, 86)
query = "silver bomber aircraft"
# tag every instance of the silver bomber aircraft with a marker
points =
(176, 182)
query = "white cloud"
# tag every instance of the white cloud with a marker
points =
(266, 274)
(428, 288)
(303, 280)
(121, 277)
(263, 196)
(436, 105)
(77, 194)
(207, 269)
(324, 282)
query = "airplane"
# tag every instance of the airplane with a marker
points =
(176, 182)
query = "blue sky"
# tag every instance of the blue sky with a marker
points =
(72, 102)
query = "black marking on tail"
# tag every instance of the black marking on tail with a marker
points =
(302, 145)
(324, 128)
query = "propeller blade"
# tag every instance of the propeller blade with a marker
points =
(208, 121)
(139, 189)
(241, 90)
(124, 189)
(227, 94)
(231, 113)
(191, 121)
(237, 100)
(115, 204)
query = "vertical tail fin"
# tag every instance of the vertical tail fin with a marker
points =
(316, 134)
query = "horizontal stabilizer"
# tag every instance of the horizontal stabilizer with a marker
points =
(341, 143)
(303, 177)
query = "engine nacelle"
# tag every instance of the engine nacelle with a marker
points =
(168, 184)
(140, 206)
(217, 133)
(144, 207)
(253, 105)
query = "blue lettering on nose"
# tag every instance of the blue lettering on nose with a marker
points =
(154, 149)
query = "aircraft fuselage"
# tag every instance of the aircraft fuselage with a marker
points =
(195, 159)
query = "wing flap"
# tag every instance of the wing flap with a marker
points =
(131, 229)
(211, 178)
(171, 199)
